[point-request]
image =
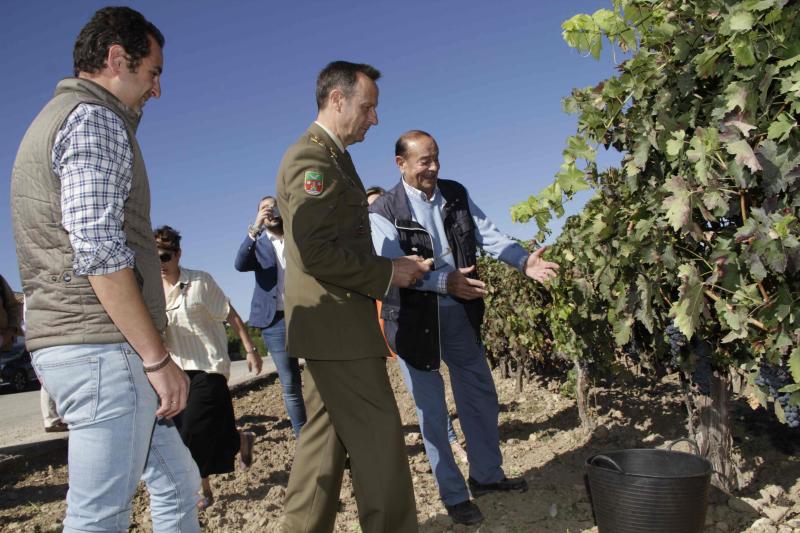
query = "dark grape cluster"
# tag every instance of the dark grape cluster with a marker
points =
(677, 343)
(701, 371)
(773, 378)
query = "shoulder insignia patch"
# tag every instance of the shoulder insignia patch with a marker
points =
(313, 182)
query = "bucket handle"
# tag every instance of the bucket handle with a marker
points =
(685, 439)
(608, 460)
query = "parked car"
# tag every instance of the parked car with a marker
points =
(16, 371)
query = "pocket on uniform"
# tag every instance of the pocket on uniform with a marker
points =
(73, 385)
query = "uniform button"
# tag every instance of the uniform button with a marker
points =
(53, 278)
(348, 295)
(427, 330)
(67, 278)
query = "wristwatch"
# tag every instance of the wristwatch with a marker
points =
(254, 230)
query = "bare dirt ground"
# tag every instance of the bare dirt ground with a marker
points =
(540, 440)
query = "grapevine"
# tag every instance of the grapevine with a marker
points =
(696, 230)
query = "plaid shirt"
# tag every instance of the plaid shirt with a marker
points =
(93, 158)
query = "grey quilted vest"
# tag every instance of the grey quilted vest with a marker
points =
(62, 308)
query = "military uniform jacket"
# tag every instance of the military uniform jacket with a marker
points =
(333, 276)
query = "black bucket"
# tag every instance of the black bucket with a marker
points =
(649, 491)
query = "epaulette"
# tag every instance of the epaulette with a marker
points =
(333, 156)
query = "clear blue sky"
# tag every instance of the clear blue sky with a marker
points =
(485, 78)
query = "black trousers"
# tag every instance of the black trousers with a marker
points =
(208, 425)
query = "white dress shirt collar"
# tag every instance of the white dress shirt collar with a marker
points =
(331, 135)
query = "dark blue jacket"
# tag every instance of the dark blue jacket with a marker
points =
(259, 256)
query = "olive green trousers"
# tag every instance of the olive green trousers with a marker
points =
(351, 412)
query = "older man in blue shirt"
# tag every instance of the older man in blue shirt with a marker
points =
(439, 317)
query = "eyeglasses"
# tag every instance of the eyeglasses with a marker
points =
(165, 257)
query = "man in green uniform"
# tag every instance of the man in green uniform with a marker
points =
(333, 278)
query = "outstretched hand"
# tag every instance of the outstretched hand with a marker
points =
(539, 269)
(459, 285)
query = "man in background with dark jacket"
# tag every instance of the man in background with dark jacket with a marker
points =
(262, 253)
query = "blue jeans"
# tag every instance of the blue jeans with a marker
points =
(476, 403)
(103, 395)
(451, 431)
(288, 373)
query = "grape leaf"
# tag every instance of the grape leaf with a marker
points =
(779, 130)
(675, 145)
(713, 199)
(794, 364)
(758, 5)
(756, 267)
(571, 179)
(581, 32)
(735, 96)
(701, 148)
(743, 52)
(781, 226)
(744, 127)
(686, 311)
(578, 148)
(779, 413)
(645, 310)
(744, 154)
(678, 204)
(622, 330)
(641, 152)
(741, 21)
(734, 317)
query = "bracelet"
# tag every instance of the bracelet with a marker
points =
(155, 367)
(254, 352)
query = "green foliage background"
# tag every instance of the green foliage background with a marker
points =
(235, 349)
(698, 226)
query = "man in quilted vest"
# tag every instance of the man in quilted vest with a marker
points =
(90, 272)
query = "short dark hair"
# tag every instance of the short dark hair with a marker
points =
(109, 26)
(401, 146)
(267, 197)
(342, 75)
(167, 238)
(375, 189)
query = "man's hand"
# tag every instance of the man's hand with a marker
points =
(172, 387)
(460, 286)
(264, 212)
(539, 269)
(407, 270)
(254, 361)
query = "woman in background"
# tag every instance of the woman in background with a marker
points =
(196, 310)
